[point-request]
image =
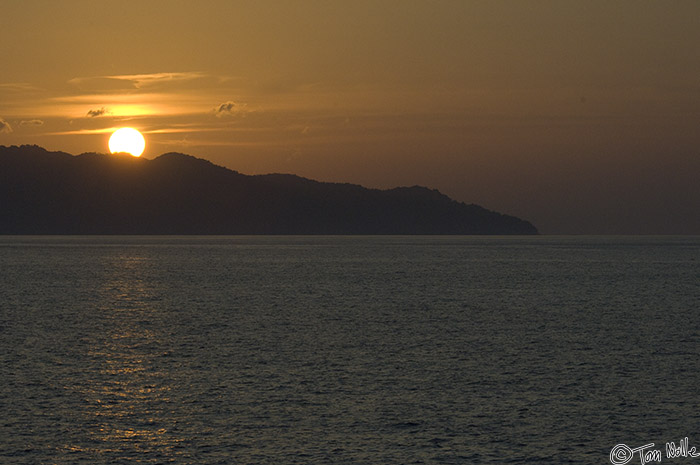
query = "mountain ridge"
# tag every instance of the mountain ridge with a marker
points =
(43, 192)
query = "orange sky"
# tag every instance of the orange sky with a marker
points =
(580, 116)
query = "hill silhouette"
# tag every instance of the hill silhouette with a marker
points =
(44, 192)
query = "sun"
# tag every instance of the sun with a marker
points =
(127, 140)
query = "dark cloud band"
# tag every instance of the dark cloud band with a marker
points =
(98, 112)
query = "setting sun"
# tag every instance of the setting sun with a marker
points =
(127, 140)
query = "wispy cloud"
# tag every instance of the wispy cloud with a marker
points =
(138, 81)
(187, 130)
(18, 87)
(82, 132)
(142, 80)
(31, 122)
(97, 112)
(128, 105)
(5, 126)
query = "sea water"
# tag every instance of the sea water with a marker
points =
(347, 350)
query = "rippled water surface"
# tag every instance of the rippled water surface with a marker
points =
(334, 350)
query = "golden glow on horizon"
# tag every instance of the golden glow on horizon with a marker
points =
(127, 140)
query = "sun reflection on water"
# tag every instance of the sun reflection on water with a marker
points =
(126, 387)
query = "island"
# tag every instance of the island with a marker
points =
(44, 192)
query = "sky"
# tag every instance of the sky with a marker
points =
(579, 116)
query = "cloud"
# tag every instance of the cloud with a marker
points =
(5, 126)
(83, 132)
(18, 87)
(31, 122)
(103, 83)
(98, 112)
(229, 109)
(139, 81)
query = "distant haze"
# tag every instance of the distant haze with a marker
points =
(581, 116)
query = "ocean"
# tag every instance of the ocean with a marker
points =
(348, 350)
